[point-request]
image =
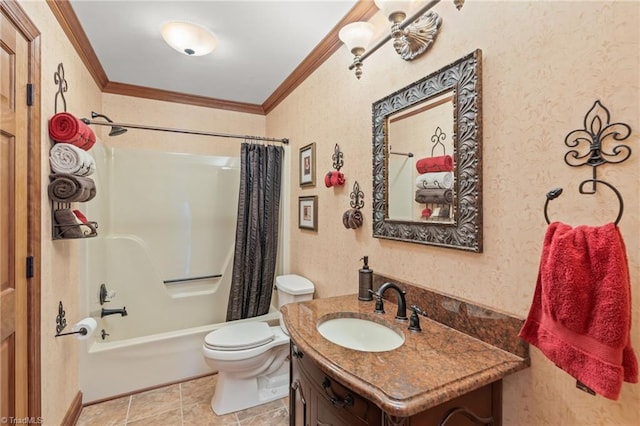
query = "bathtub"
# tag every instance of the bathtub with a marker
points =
(164, 251)
(130, 365)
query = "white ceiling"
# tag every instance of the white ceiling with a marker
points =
(260, 42)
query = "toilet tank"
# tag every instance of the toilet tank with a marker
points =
(293, 288)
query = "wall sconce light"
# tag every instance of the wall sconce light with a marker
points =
(189, 39)
(411, 37)
(357, 36)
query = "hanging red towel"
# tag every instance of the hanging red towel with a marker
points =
(65, 127)
(580, 317)
(443, 163)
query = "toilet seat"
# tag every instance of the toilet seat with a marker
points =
(238, 337)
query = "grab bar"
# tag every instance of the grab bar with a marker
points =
(179, 280)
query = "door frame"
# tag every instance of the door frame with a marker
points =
(18, 17)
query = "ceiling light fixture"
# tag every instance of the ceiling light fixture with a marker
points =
(188, 38)
(411, 37)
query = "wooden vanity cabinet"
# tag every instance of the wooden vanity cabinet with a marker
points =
(315, 399)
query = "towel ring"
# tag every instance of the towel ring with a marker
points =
(555, 193)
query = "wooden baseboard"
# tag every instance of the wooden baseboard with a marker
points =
(73, 412)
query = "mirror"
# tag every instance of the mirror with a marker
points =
(427, 150)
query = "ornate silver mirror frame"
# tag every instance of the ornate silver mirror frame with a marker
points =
(464, 79)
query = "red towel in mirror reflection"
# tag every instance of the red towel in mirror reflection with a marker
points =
(580, 317)
(444, 163)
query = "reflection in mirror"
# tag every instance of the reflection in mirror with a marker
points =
(421, 185)
(427, 172)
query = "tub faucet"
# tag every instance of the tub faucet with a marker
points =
(105, 312)
(402, 304)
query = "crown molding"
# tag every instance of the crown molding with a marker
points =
(68, 20)
(181, 98)
(361, 11)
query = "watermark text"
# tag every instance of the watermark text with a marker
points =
(21, 420)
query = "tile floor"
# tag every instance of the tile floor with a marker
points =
(181, 404)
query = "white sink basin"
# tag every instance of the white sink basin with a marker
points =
(360, 334)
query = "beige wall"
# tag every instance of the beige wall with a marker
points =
(59, 261)
(545, 63)
(126, 109)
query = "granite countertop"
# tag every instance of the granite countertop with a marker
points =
(431, 367)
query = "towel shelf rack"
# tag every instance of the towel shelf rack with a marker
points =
(597, 129)
(63, 231)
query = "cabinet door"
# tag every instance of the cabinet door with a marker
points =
(317, 400)
(482, 406)
(298, 392)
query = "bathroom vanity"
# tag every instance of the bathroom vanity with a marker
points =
(438, 376)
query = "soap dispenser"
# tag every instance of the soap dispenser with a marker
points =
(365, 275)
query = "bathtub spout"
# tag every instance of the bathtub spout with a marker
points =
(105, 312)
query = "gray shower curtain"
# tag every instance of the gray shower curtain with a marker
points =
(256, 244)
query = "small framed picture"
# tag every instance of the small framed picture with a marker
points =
(308, 212)
(308, 165)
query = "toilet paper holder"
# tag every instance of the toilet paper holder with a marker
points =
(83, 331)
(61, 324)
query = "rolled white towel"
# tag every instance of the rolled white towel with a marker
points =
(438, 180)
(69, 159)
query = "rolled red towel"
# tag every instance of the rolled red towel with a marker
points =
(443, 163)
(65, 127)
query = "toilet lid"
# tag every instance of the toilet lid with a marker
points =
(240, 336)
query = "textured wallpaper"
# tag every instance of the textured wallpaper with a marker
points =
(60, 259)
(544, 65)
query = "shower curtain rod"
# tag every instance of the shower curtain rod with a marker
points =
(187, 131)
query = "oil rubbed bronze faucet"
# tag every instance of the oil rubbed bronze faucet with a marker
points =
(105, 312)
(401, 315)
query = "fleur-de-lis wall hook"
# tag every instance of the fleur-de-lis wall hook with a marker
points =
(335, 177)
(58, 78)
(337, 158)
(352, 219)
(598, 143)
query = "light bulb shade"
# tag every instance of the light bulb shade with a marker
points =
(389, 7)
(356, 35)
(188, 39)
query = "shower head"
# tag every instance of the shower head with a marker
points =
(115, 130)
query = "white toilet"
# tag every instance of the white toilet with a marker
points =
(250, 357)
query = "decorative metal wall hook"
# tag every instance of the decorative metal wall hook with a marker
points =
(337, 158)
(61, 321)
(437, 139)
(592, 148)
(356, 197)
(58, 78)
(352, 218)
(597, 130)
